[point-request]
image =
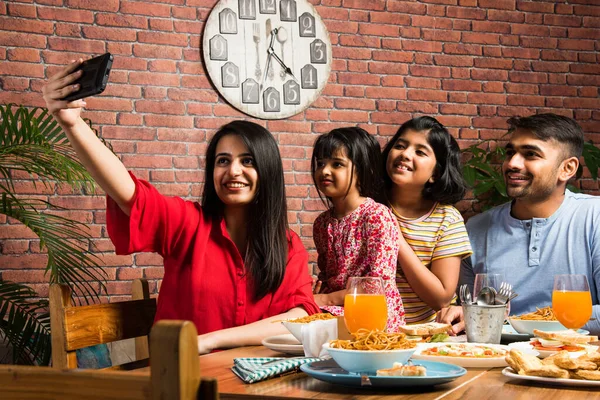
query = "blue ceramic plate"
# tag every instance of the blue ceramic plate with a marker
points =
(437, 373)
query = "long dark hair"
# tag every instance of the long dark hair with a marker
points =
(449, 185)
(364, 152)
(267, 224)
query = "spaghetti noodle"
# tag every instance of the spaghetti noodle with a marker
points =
(365, 339)
(311, 318)
(541, 314)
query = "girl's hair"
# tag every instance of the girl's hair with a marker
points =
(364, 152)
(267, 224)
(448, 186)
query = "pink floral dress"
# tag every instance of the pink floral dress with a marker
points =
(363, 243)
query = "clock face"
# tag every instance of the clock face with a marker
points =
(269, 58)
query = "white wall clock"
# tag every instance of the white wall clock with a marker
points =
(268, 58)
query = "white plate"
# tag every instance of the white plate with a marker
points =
(287, 344)
(472, 362)
(508, 372)
(546, 353)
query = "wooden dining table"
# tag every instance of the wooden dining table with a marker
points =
(476, 384)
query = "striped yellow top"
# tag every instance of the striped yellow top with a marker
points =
(438, 234)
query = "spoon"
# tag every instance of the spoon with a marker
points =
(486, 296)
(281, 38)
(468, 297)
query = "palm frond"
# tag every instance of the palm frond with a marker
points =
(66, 241)
(25, 324)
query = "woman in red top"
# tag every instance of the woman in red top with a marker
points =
(231, 264)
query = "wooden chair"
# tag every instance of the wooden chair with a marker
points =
(74, 328)
(174, 374)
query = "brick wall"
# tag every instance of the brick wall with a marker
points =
(470, 63)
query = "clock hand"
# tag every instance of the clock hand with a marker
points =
(270, 54)
(286, 69)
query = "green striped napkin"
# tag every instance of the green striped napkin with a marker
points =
(253, 369)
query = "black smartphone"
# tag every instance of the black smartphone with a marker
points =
(94, 77)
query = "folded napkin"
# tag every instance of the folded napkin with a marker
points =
(317, 333)
(255, 369)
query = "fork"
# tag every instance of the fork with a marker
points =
(256, 38)
(504, 293)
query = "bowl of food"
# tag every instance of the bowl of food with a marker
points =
(542, 319)
(295, 325)
(370, 351)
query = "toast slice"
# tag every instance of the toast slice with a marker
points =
(568, 336)
(428, 329)
(403, 370)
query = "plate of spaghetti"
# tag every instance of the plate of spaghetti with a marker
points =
(542, 319)
(370, 351)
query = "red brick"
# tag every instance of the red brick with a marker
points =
(535, 6)
(486, 98)
(77, 45)
(465, 49)
(160, 52)
(467, 109)
(125, 21)
(459, 61)
(584, 33)
(422, 46)
(522, 100)
(494, 63)
(25, 25)
(23, 54)
(529, 30)
(423, 83)
(593, 104)
(170, 121)
(357, 104)
(351, 53)
(528, 77)
(461, 85)
(507, 16)
(401, 6)
(21, 10)
(147, 78)
(386, 93)
(424, 107)
(495, 27)
(440, 35)
(22, 69)
(155, 10)
(562, 20)
(105, 5)
(409, 32)
(375, 5)
(547, 43)
(481, 38)
(63, 14)
(389, 18)
(183, 13)
(549, 66)
(466, 13)
(342, 27)
(9, 83)
(432, 71)
(521, 88)
(521, 53)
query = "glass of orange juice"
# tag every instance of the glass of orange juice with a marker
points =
(571, 300)
(364, 304)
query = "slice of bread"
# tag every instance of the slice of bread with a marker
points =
(568, 336)
(403, 370)
(428, 329)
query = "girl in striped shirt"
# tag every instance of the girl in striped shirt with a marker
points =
(423, 178)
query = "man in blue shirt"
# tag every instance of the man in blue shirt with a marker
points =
(546, 230)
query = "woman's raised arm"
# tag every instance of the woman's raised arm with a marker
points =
(106, 168)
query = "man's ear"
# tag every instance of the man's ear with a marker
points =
(568, 169)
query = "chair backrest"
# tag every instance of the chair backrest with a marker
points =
(174, 374)
(74, 328)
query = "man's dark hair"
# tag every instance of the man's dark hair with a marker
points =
(552, 126)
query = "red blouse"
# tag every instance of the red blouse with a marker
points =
(204, 278)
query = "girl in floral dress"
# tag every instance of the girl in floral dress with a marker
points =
(356, 236)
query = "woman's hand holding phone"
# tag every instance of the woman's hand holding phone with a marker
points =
(60, 85)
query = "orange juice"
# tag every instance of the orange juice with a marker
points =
(367, 311)
(573, 309)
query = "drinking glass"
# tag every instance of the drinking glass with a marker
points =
(483, 280)
(571, 300)
(364, 304)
